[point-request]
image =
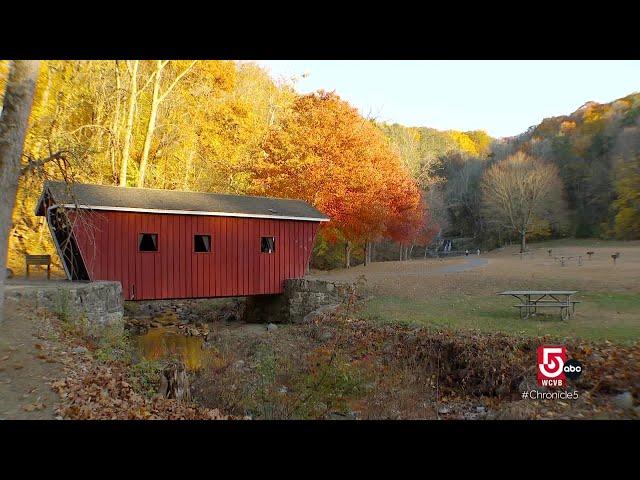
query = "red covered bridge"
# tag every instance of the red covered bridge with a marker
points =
(170, 244)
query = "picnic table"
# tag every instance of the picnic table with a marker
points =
(531, 300)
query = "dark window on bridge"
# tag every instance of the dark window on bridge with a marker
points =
(148, 242)
(268, 244)
(202, 243)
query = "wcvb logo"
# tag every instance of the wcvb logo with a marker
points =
(551, 362)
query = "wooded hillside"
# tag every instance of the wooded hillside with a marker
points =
(595, 149)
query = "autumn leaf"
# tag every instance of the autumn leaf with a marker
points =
(33, 406)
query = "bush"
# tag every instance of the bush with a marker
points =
(330, 383)
(145, 376)
(62, 307)
(114, 344)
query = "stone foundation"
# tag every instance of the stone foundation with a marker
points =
(301, 298)
(189, 310)
(100, 302)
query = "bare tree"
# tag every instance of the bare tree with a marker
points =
(18, 99)
(520, 190)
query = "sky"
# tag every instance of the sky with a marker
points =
(504, 98)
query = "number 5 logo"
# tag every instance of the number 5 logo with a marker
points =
(551, 362)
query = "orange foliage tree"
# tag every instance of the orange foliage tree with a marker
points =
(410, 221)
(323, 151)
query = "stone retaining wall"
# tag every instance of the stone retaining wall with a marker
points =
(101, 302)
(305, 296)
(301, 297)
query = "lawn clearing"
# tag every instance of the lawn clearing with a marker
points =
(420, 292)
(614, 317)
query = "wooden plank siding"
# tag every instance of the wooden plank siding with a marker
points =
(235, 266)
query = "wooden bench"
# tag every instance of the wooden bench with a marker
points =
(38, 260)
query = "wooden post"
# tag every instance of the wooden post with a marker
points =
(347, 254)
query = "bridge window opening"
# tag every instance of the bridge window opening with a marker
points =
(148, 242)
(268, 245)
(202, 243)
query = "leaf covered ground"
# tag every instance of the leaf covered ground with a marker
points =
(336, 367)
(94, 375)
(340, 367)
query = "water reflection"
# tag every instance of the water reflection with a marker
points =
(164, 342)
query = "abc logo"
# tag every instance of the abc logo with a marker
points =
(572, 369)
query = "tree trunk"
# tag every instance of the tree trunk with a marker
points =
(347, 255)
(14, 119)
(177, 382)
(401, 251)
(128, 134)
(156, 100)
(523, 241)
(187, 169)
(115, 128)
(367, 247)
(151, 124)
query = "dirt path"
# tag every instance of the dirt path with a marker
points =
(24, 368)
(471, 263)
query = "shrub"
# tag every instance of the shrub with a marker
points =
(114, 344)
(145, 376)
(62, 307)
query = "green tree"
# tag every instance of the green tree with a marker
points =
(627, 205)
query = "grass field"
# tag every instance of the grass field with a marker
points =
(418, 292)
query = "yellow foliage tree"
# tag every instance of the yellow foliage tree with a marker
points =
(209, 126)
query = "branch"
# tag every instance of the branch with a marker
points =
(126, 63)
(153, 74)
(182, 74)
(34, 164)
